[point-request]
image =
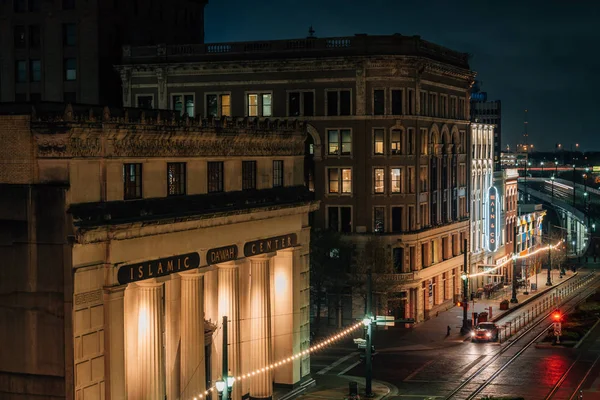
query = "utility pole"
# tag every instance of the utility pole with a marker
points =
(465, 303)
(225, 358)
(369, 349)
(549, 281)
(514, 277)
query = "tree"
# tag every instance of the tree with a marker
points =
(376, 257)
(330, 258)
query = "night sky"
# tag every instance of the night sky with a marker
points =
(543, 56)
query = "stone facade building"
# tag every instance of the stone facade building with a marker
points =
(388, 118)
(64, 50)
(127, 235)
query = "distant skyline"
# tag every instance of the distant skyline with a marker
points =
(536, 55)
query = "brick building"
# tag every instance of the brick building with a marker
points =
(64, 50)
(388, 118)
(126, 236)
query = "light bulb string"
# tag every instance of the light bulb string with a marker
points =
(311, 349)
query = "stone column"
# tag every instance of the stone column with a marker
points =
(261, 385)
(150, 359)
(192, 335)
(114, 341)
(229, 305)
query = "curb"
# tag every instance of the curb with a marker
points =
(392, 390)
(300, 390)
(586, 334)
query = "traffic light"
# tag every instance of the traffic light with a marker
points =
(556, 316)
(462, 304)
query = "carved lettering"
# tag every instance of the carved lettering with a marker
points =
(221, 254)
(267, 245)
(156, 268)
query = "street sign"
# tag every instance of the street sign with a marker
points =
(557, 329)
(384, 320)
(362, 343)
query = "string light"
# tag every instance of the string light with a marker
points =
(262, 370)
(516, 258)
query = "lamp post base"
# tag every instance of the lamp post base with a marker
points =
(514, 300)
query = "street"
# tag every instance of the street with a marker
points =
(417, 366)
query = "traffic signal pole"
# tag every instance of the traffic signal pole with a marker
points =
(369, 349)
(514, 274)
(465, 303)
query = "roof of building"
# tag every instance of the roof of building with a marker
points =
(311, 47)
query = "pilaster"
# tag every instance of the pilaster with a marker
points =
(229, 305)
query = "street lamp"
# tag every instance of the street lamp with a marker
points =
(220, 384)
(542, 164)
(552, 179)
(574, 191)
(230, 380)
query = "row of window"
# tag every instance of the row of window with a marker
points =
(431, 104)
(177, 178)
(32, 71)
(30, 36)
(399, 142)
(302, 103)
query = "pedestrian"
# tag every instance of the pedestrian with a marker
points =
(448, 331)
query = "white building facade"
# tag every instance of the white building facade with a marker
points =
(482, 173)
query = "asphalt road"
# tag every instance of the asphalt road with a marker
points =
(434, 374)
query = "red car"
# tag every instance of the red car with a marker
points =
(485, 331)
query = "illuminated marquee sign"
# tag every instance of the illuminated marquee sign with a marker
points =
(493, 219)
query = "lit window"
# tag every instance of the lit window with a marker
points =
(339, 180)
(378, 138)
(379, 180)
(339, 139)
(253, 105)
(396, 177)
(396, 136)
(260, 104)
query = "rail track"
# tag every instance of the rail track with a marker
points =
(531, 334)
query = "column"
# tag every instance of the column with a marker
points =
(115, 341)
(229, 304)
(261, 385)
(192, 335)
(150, 360)
(285, 322)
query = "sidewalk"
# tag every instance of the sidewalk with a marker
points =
(337, 387)
(431, 334)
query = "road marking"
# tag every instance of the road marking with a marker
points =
(416, 371)
(335, 364)
(349, 368)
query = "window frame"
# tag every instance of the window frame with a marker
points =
(403, 100)
(30, 43)
(383, 219)
(340, 143)
(219, 103)
(17, 70)
(126, 189)
(423, 107)
(138, 95)
(183, 107)
(65, 36)
(411, 108)
(181, 185)
(301, 100)
(18, 45)
(453, 111)
(275, 182)
(339, 217)
(433, 100)
(384, 102)
(400, 180)
(259, 103)
(401, 141)
(340, 181)
(339, 102)
(375, 181)
(374, 142)
(220, 185)
(252, 178)
(31, 74)
(443, 105)
(65, 70)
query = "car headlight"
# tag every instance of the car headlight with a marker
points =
(488, 334)
(472, 333)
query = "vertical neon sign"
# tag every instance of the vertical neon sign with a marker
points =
(493, 220)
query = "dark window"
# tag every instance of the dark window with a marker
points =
(294, 104)
(176, 179)
(34, 5)
(346, 219)
(68, 4)
(70, 97)
(20, 38)
(411, 102)
(379, 219)
(397, 102)
(345, 102)
(215, 176)
(70, 65)
(132, 177)
(35, 97)
(333, 218)
(248, 175)
(277, 173)
(35, 70)
(145, 102)
(183, 104)
(20, 5)
(20, 97)
(35, 39)
(69, 34)
(309, 104)
(21, 71)
(396, 219)
(212, 107)
(398, 259)
(378, 102)
(332, 103)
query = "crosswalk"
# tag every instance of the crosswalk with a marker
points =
(334, 361)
